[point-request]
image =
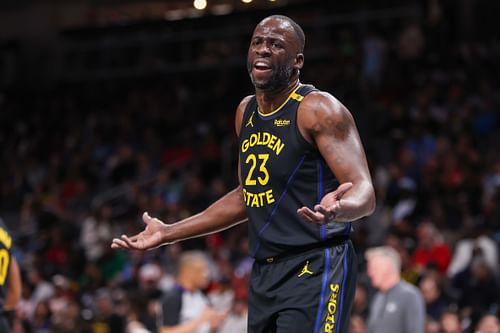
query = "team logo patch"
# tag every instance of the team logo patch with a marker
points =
(306, 270)
(250, 120)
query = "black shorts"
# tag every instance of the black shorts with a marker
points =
(308, 292)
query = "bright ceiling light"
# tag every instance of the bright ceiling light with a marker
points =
(246, 1)
(200, 4)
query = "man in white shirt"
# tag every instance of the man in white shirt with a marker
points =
(185, 308)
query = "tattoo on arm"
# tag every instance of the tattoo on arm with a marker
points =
(341, 128)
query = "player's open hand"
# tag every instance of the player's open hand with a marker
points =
(329, 207)
(148, 239)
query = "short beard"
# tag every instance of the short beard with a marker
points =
(280, 78)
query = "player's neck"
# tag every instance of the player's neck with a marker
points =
(268, 101)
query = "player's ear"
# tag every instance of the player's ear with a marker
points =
(299, 61)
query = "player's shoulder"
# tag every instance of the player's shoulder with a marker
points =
(322, 107)
(322, 101)
(240, 111)
(244, 103)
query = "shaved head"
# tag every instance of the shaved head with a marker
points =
(275, 54)
(299, 33)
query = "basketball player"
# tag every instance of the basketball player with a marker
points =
(303, 179)
(10, 279)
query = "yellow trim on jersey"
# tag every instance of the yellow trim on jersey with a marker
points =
(293, 95)
(297, 97)
(5, 238)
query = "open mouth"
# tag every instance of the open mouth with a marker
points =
(262, 66)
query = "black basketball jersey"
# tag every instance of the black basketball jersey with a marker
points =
(281, 172)
(5, 253)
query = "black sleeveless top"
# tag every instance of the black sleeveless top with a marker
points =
(281, 172)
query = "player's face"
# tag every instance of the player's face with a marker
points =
(272, 55)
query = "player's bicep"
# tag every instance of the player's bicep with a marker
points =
(337, 138)
(240, 112)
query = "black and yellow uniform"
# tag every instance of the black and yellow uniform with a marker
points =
(5, 253)
(304, 275)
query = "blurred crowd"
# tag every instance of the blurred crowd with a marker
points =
(80, 165)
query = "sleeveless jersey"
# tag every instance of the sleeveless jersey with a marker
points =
(281, 172)
(5, 253)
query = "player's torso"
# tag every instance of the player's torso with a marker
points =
(281, 172)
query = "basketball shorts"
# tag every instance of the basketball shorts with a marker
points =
(307, 292)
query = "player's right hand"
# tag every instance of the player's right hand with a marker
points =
(151, 237)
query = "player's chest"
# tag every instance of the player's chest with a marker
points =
(267, 151)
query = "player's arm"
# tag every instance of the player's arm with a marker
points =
(14, 286)
(222, 214)
(327, 124)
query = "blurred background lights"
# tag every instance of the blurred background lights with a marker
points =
(200, 4)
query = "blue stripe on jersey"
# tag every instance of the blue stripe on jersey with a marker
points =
(323, 289)
(348, 228)
(321, 190)
(343, 284)
(282, 195)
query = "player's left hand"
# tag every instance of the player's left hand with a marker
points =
(327, 210)
(150, 238)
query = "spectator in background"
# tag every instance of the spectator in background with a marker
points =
(374, 50)
(357, 324)
(71, 320)
(475, 243)
(431, 249)
(478, 289)
(42, 318)
(450, 322)
(222, 295)
(134, 311)
(106, 319)
(435, 301)
(398, 307)
(432, 326)
(360, 305)
(488, 324)
(42, 289)
(185, 308)
(236, 320)
(96, 232)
